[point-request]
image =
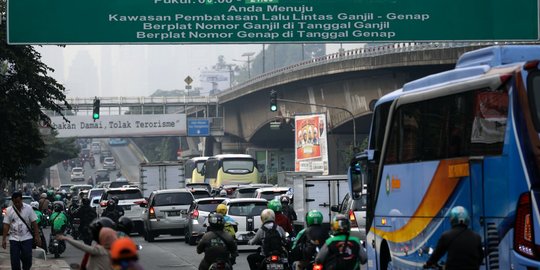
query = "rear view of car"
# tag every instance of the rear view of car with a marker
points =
(197, 216)
(77, 174)
(246, 212)
(109, 163)
(166, 213)
(270, 193)
(200, 193)
(131, 200)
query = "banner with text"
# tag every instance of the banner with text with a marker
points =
(311, 153)
(121, 125)
(267, 21)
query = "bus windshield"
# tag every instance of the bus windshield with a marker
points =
(200, 165)
(238, 166)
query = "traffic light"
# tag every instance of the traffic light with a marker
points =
(273, 100)
(95, 114)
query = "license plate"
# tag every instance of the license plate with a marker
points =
(173, 213)
(274, 266)
(127, 207)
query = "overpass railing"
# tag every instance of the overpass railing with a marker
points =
(138, 101)
(361, 53)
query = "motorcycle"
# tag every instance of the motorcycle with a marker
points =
(92, 162)
(220, 265)
(276, 262)
(56, 247)
(75, 233)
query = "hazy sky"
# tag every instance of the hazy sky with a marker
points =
(138, 70)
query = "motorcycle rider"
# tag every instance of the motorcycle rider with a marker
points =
(287, 208)
(341, 251)
(111, 211)
(230, 223)
(118, 207)
(307, 241)
(44, 203)
(124, 226)
(86, 215)
(281, 219)
(59, 223)
(216, 244)
(268, 223)
(41, 222)
(463, 245)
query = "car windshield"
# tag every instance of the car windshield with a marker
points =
(246, 208)
(77, 170)
(238, 166)
(200, 194)
(102, 173)
(270, 195)
(245, 192)
(164, 199)
(208, 206)
(117, 184)
(129, 194)
(95, 192)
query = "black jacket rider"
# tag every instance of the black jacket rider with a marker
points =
(216, 245)
(464, 249)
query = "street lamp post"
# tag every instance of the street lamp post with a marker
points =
(248, 55)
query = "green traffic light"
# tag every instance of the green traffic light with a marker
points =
(96, 116)
(273, 107)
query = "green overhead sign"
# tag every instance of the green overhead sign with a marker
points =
(268, 21)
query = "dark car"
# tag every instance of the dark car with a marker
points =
(199, 193)
(101, 175)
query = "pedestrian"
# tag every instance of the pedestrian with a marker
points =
(99, 258)
(20, 222)
(463, 245)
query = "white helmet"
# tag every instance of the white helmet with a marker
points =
(223, 193)
(267, 215)
(34, 204)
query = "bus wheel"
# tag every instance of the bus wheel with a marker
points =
(385, 259)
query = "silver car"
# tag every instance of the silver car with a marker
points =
(166, 213)
(197, 216)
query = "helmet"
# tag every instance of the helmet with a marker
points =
(34, 204)
(68, 196)
(221, 209)
(459, 216)
(58, 207)
(125, 225)
(43, 195)
(216, 221)
(314, 217)
(50, 192)
(98, 223)
(340, 224)
(123, 249)
(57, 197)
(223, 193)
(85, 201)
(63, 192)
(285, 200)
(267, 215)
(275, 205)
(111, 203)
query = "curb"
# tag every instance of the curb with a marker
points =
(137, 151)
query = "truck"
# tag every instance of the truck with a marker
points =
(161, 175)
(314, 192)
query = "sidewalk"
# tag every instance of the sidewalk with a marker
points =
(53, 264)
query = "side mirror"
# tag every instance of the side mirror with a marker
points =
(334, 208)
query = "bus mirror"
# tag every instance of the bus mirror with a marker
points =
(261, 167)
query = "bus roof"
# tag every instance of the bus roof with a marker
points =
(227, 156)
(469, 65)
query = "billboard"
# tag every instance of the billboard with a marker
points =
(120, 125)
(311, 148)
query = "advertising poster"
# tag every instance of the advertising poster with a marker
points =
(311, 153)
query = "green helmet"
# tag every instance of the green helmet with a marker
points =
(314, 217)
(275, 205)
(50, 192)
(57, 197)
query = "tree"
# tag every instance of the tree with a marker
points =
(26, 91)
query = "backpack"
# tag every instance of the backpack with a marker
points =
(344, 255)
(272, 241)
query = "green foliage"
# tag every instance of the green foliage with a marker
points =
(25, 92)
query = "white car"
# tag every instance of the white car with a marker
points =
(247, 213)
(109, 163)
(77, 174)
(131, 200)
(270, 193)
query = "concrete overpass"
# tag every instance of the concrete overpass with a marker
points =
(350, 79)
